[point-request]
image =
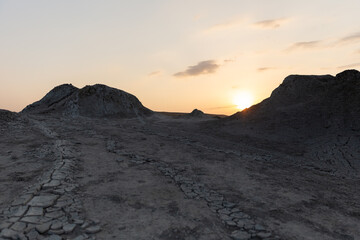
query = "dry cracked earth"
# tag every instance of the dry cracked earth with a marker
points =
(159, 178)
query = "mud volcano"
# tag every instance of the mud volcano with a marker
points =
(91, 101)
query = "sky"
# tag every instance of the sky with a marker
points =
(174, 55)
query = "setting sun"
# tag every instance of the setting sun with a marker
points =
(243, 100)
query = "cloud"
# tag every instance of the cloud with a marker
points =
(230, 60)
(263, 69)
(353, 65)
(223, 26)
(304, 45)
(155, 73)
(204, 67)
(270, 23)
(350, 39)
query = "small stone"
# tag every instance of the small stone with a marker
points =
(43, 201)
(68, 228)
(35, 211)
(13, 219)
(55, 215)
(231, 223)
(56, 225)
(80, 237)
(51, 184)
(8, 233)
(240, 235)
(85, 225)
(224, 211)
(5, 225)
(18, 226)
(32, 234)
(22, 200)
(43, 228)
(35, 219)
(19, 211)
(78, 221)
(93, 229)
(263, 234)
(259, 227)
(95, 221)
(52, 209)
(54, 237)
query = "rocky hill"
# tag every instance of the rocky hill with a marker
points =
(315, 117)
(309, 103)
(91, 101)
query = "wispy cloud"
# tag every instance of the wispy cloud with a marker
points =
(304, 45)
(263, 69)
(270, 23)
(353, 38)
(155, 73)
(204, 67)
(353, 65)
(224, 26)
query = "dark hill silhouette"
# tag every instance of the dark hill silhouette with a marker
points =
(316, 103)
(91, 101)
(314, 118)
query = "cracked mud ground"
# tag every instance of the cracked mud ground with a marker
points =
(154, 179)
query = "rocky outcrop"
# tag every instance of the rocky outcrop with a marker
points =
(91, 101)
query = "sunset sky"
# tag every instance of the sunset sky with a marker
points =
(173, 55)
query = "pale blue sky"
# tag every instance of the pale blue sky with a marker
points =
(139, 46)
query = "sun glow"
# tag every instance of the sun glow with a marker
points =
(243, 100)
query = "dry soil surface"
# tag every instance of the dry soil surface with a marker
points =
(158, 178)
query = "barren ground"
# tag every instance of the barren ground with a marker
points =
(159, 178)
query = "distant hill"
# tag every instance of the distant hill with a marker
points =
(91, 101)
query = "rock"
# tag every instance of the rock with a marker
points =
(43, 201)
(54, 237)
(18, 226)
(259, 227)
(68, 228)
(56, 225)
(43, 228)
(55, 214)
(35, 211)
(19, 211)
(56, 232)
(32, 234)
(8, 233)
(35, 219)
(93, 229)
(5, 225)
(51, 184)
(80, 237)
(240, 235)
(264, 234)
(22, 200)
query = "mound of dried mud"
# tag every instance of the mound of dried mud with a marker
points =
(91, 101)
